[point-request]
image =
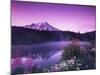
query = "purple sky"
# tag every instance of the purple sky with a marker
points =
(62, 16)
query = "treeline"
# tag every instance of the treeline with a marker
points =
(21, 35)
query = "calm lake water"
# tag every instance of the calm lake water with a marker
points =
(46, 54)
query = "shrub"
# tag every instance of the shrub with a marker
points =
(70, 52)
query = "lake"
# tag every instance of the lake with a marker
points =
(44, 54)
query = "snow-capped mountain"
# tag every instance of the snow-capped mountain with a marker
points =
(42, 26)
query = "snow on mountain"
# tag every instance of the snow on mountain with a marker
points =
(42, 26)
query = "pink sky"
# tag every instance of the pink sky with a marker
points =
(62, 16)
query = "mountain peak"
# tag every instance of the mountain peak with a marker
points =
(42, 26)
